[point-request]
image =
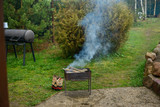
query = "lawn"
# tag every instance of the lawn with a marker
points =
(31, 84)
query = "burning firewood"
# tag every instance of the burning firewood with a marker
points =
(74, 70)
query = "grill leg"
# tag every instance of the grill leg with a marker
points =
(65, 86)
(15, 51)
(33, 52)
(24, 54)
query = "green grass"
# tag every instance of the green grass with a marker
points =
(31, 84)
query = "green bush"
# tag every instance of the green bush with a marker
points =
(121, 20)
(70, 36)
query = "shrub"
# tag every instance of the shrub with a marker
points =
(158, 16)
(121, 20)
(70, 36)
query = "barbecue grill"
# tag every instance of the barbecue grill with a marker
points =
(19, 37)
(74, 74)
(15, 35)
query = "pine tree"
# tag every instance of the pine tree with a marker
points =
(29, 14)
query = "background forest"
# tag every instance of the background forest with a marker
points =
(38, 15)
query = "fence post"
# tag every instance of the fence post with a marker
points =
(4, 102)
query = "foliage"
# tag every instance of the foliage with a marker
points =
(69, 35)
(121, 20)
(158, 16)
(29, 14)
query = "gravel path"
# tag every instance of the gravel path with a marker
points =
(112, 97)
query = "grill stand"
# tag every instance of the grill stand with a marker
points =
(15, 51)
(72, 77)
(24, 50)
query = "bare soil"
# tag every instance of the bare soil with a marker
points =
(114, 97)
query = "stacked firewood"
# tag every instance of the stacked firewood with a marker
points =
(152, 70)
(57, 83)
(153, 62)
(75, 70)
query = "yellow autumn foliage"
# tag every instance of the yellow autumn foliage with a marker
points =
(71, 37)
(121, 20)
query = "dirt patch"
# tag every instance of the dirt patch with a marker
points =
(15, 104)
(114, 97)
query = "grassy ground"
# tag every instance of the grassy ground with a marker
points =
(31, 84)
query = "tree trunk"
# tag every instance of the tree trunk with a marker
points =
(21, 3)
(52, 6)
(135, 7)
(145, 8)
(155, 5)
(142, 7)
(19, 17)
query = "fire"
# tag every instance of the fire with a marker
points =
(75, 70)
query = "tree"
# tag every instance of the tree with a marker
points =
(142, 7)
(135, 6)
(145, 8)
(155, 5)
(29, 14)
(52, 6)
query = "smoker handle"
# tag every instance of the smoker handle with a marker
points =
(14, 40)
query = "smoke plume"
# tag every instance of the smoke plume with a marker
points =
(94, 26)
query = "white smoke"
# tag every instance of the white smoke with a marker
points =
(94, 30)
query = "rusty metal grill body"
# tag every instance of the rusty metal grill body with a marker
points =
(19, 37)
(82, 76)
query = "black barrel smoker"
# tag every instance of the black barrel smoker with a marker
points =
(19, 37)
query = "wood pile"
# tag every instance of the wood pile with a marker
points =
(152, 70)
(75, 70)
(153, 62)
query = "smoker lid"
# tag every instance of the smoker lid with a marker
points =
(29, 36)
